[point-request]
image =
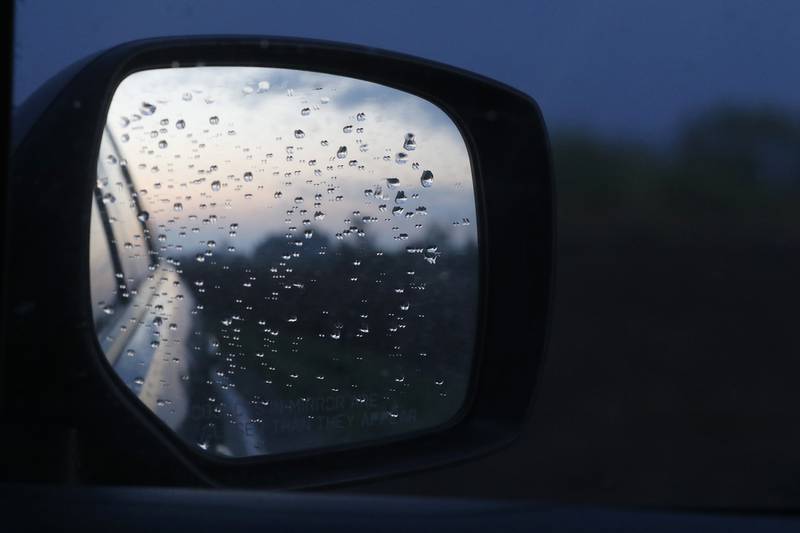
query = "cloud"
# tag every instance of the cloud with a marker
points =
(259, 132)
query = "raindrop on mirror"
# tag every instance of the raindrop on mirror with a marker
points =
(287, 281)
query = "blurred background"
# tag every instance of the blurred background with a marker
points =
(672, 373)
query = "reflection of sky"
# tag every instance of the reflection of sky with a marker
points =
(254, 124)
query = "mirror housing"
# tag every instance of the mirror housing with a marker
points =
(68, 407)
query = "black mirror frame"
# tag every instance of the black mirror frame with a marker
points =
(111, 436)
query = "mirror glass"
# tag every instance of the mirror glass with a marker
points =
(284, 260)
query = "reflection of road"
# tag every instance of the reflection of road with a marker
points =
(145, 346)
(156, 344)
(151, 347)
(165, 354)
(234, 435)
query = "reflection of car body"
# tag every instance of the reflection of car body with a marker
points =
(145, 318)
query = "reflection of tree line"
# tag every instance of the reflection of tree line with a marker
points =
(407, 350)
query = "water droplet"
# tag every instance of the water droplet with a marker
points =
(162, 144)
(426, 180)
(278, 194)
(361, 117)
(305, 111)
(177, 206)
(216, 185)
(200, 258)
(431, 253)
(292, 318)
(400, 197)
(143, 216)
(147, 108)
(299, 134)
(262, 87)
(107, 309)
(213, 120)
(111, 160)
(347, 129)
(397, 210)
(323, 142)
(125, 137)
(124, 121)
(180, 124)
(248, 89)
(392, 182)
(401, 158)
(248, 176)
(186, 97)
(409, 143)
(138, 381)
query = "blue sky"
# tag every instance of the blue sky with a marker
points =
(620, 68)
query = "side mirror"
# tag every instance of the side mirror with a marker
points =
(275, 263)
